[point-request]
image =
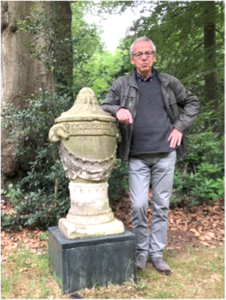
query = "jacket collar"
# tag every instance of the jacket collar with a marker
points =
(133, 80)
(164, 80)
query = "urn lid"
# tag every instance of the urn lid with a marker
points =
(85, 108)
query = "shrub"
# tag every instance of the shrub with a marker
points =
(118, 182)
(200, 177)
(42, 196)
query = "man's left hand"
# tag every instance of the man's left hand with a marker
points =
(175, 138)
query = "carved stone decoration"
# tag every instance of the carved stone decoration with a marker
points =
(88, 139)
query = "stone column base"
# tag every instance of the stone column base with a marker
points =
(73, 231)
(85, 263)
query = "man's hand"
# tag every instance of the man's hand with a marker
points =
(175, 138)
(124, 116)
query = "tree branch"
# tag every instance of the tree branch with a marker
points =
(199, 45)
(220, 33)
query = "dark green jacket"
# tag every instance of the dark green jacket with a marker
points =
(124, 93)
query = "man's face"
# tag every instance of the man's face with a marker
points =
(143, 63)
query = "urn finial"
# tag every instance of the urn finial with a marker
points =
(88, 142)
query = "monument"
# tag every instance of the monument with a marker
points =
(89, 238)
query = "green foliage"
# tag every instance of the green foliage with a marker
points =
(118, 182)
(200, 177)
(85, 42)
(38, 199)
(177, 29)
(41, 197)
(93, 67)
(101, 70)
(30, 125)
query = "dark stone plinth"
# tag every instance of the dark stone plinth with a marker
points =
(84, 263)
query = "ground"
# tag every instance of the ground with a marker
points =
(203, 224)
(187, 225)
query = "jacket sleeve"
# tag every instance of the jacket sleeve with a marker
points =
(111, 103)
(189, 104)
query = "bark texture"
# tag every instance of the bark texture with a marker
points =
(210, 52)
(22, 74)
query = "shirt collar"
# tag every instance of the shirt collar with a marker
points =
(140, 78)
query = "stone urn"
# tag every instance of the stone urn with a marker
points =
(88, 139)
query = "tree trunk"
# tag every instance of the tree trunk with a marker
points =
(22, 74)
(210, 53)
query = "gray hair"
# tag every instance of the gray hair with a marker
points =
(143, 38)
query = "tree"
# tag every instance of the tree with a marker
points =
(94, 67)
(41, 197)
(24, 70)
(210, 59)
(86, 42)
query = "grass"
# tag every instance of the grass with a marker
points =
(196, 274)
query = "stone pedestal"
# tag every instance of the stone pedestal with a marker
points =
(90, 214)
(84, 263)
(90, 246)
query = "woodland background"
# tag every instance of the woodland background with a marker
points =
(49, 52)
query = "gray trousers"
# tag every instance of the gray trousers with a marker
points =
(160, 169)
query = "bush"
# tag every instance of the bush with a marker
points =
(118, 182)
(42, 196)
(200, 177)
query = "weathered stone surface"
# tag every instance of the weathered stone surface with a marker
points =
(90, 214)
(71, 231)
(88, 139)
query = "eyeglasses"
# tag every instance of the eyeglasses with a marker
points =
(147, 54)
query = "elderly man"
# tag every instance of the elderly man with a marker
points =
(152, 127)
